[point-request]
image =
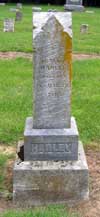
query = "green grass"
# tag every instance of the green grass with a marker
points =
(86, 99)
(50, 211)
(16, 98)
(21, 39)
(87, 43)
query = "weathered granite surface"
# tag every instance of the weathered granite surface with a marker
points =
(19, 5)
(74, 5)
(51, 134)
(51, 182)
(9, 25)
(50, 144)
(84, 28)
(52, 39)
(2, 4)
(74, 8)
(13, 9)
(74, 2)
(36, 9)
(19, 16)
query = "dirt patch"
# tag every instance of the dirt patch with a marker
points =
(13, 55)
(90, 208)
(85, 56)
(7, 149)
(9, 176)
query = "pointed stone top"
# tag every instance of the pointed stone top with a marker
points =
(41, 18)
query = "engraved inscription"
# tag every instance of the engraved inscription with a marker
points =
(50, 148)
(52, 84)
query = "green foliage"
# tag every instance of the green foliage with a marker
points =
(50, 211)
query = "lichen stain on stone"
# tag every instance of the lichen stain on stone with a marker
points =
(55, 184)
(67, 43)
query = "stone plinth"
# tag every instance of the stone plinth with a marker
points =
(50, 144)
(51, 182)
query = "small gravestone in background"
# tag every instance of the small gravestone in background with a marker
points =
(9, 25)
(19, 5)
(19, 16)
(90, 12)
(52, 10)
(73, 5)
(84, 28)
(13, 9)
(36, 9)
(2, 4)
(54, 169)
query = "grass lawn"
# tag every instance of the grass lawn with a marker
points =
(50, 211)
(21, 39)
(16, 98)
(87, 43)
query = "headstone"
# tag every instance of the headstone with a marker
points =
(52, 10)
(90, 12)
(2, 4)
(52, 88)
(19, 5)
(74, 5)
(54, 161)
(19, 16)
(84, 28)
(13, 10)
(36, 9)
(9, 25)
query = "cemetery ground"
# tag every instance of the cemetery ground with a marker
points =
(16, 105)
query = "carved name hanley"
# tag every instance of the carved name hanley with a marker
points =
(49, 148)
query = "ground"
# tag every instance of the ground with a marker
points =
(92, 207)
(11, 55)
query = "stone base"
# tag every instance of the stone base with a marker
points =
(68, 7)
(50, 182)
(50, 144)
